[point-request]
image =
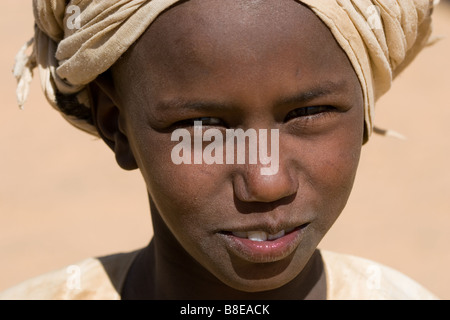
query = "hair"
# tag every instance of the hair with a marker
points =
(70, 106)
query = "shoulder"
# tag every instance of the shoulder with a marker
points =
(350, 277)
(90, 279)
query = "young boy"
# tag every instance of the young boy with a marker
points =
(176, 88)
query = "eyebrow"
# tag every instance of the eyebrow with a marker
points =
(180, 104)
(325, 88)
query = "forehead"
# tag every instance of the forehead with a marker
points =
(199, 42)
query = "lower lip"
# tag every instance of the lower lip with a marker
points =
(265, 251)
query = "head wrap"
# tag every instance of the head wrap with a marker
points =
(77, 40)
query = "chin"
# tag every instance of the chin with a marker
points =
(260, 277)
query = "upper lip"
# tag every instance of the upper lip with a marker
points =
(269, 222)
(269, 229)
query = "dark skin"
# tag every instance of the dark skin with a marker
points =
(235, 64)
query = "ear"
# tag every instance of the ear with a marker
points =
(106, 117)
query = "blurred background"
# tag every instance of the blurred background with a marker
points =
(63, 198)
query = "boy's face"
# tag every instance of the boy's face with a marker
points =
(249, 65)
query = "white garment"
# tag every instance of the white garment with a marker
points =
(348, 278)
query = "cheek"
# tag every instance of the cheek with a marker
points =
(189, 200)
(184, 192)
(332, 171)
(337, 170)
(181, 191)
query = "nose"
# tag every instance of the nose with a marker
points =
(252, 186)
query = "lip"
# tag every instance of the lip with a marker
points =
(265, 251)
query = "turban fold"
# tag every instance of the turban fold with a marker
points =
(77, 40)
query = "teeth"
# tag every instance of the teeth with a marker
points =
(240, 234)
(257, 235)
(276, 235)
(260, 235)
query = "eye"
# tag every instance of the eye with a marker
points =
(206, 121)
(309, 112)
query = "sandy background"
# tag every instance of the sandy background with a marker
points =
(63, 198)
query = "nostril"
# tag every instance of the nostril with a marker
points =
(251, 186)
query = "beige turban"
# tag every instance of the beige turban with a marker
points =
(77, 40)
